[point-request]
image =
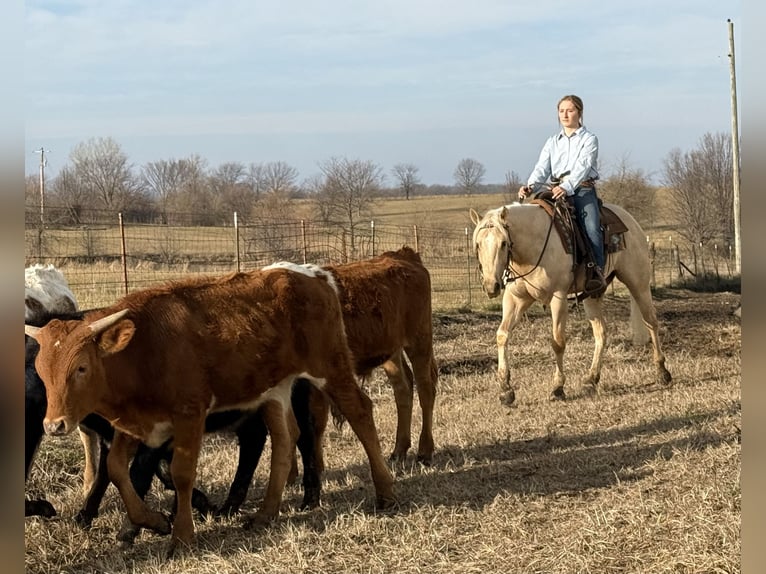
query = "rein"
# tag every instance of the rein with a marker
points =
(509, 275)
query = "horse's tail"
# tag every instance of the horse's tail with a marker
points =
(640, 331)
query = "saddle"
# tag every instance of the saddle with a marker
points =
(572, 237)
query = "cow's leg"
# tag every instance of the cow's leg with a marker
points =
(595, 314)
(252, 439)
(426, 378)
(90, 444)
(183, 468)
(283, 429)
(356, 407)
(402, 381)
(311, 413)
(117, 464)
(98, 487)
(514, 306)
(559, 313)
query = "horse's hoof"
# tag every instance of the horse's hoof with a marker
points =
(508, 398)
(558, 394)
(589, 389)
(665, 378)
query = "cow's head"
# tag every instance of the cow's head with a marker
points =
(70, 364)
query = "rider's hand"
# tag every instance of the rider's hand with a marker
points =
(558, 192)
(524, 191)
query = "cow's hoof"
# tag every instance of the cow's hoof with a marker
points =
(257, 521)
(39, 508)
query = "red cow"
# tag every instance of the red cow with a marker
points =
(386, 302)
(158, 361)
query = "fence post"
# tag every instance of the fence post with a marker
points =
(123, 254)
(468, 265)
(372, 232)
(303, 237)
(672, 259)
(417, 242)
(236, 241)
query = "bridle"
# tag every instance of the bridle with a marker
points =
(509, 274)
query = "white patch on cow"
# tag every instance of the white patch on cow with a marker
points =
(281, 392)
(48, 286)
(309, 269)
(57, 343)
(318, 383)
(159, 434)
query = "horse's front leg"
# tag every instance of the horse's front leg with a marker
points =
(559, 314)
(514, 306)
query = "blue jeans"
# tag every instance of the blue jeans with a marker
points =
(586, 211)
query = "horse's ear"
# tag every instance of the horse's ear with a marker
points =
(503, 213)
(475, 217)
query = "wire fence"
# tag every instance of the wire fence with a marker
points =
(105, 257)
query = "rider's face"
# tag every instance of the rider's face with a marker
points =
(568, 115)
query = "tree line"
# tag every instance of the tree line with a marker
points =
(99, 175)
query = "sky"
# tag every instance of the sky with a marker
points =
(424, 82)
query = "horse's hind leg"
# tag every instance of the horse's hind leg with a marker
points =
(513, 309)
(594, 313)
(642, 299)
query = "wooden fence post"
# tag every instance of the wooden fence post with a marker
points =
(303, 237)
(468, 265)
(236, 242)
(123, 254)
(417, 242)
(372, 233)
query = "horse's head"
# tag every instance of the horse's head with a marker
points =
(493, 247)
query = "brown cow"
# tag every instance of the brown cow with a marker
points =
(158, 361)
(386, 302)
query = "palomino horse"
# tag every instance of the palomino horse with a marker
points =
(520, 253)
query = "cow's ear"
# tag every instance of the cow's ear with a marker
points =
(115, 338)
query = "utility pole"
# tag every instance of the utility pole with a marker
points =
(735, 153)
(43, 163)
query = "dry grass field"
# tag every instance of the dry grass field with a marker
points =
(638, 478)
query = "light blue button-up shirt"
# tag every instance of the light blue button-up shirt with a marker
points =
(576, 154)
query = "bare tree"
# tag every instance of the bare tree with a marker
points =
(164, 180)
(277, 185)
(630, 188)
(701, 181)
(102, 168)
(347, 194)
(469, 173)
(406, 175)
(231, 190)
(69, 191)
(511, 185)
